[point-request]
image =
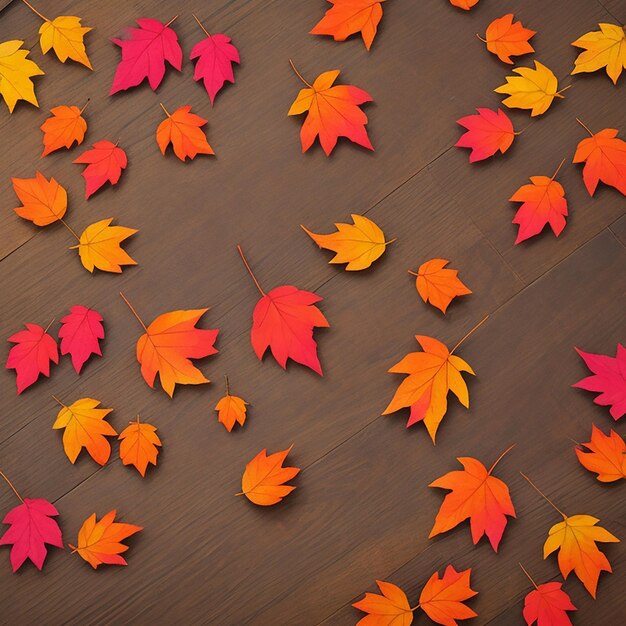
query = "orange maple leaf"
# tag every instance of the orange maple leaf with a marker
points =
(466, 5)
(101, 542)
(65, 126)
(437, 285)
(182, 130)
(442, 598)
(168, 346)
(506, 38)
(139, 445)
(264, 479)
(604, 455)
(43, 201)
(475, 495)
(231, 409)
(333, 112)
(389, 609)
(347, 17)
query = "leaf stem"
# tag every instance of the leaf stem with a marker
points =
(206, 32)
(74, 548)
(256, 282)
(543, 495)
(166, 111)
(528, 575)
(470, 332)
(15, 491)
(479, 37)
(412, 273)
(558, 169)
(48, 326)
(227, 387)
(130, 306)
(69, 228)
(585, 127)
(293, 67)
(390, 241)
(558, 93)
(170, 22)
(58, 401)
(85, 105)
(34, 10)
(501, 457)
(414, 608)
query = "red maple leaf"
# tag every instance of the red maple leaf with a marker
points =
(79, 334)
(487, 132)
(105, 162)
(547, 604)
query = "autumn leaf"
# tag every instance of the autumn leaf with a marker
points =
(215, 57)
(442, 599)
(547, 604)
(533, 89)
(487, 132)
(543, 202)
(438, 285)
(609, 379)
(602, 48)
(264, 479)
(144, 52)
(604, 455)
(43, 201)
(64, 35)
(65, 126)
(85, 427)
(333, 112)
(99, 247)
(80, 333)
(182, 130)
(139, 445)
(575, 538)
(604, 156)
(389, 609)
(104, 164)
(477, 495)
(32, 354)
(101, 542)
(31, 527)
(231, 409)
(431, 375)
(168, 345)
(347, 17)
(506, 38)
(466, 5)
(358, 244)
(16, 72)
(283, 320)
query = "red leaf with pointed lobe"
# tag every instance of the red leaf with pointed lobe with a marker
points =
(487, 132)
(547, 605)
(105, 163)
(80, 332)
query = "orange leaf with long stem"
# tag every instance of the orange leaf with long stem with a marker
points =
(231, 409)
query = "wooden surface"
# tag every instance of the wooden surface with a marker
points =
(362, 509)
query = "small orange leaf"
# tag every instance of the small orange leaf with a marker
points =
(65, 126)
(505, 39)
(231, 409)
(101, 542)
(264, 480)
(605, 455)
(389, 609)
(466, 5)
(442, 598)
(437, 285)
(139, 445)
(43, 201)
(182, 130)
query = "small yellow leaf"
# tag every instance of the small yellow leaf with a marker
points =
(15, 74)
(99, 246)
(64, 35)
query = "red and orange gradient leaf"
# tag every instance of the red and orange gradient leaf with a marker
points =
(438, 285)
(487, 132)
(507, 39)
(547, 604)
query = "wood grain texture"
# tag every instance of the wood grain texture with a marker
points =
(362, 509)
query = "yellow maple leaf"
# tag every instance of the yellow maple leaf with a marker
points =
(602, 48)
(16, 72)
(99, 246)
(533, 89)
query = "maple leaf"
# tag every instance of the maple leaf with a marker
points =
(602, 48)
(65, 126)
(604, 455)
(16, 72)
(347, 17)
(142, 59)
(182, 130)
(604, 156)
(79, 334)
(506, 38)
(358, 244)
(487, 132)
(99, 246)
(466, 5)
(547, 604)
(169, 344)
(139, 445)
(477, 495)
(442, 598)
(609, 379)
(31, 528)
(231, 409)
(389, 609)
(104, 164)
(283, 320)
(101, 542)
(533, 89)
(43, 201)
(333, 112)
(215, 57)
(264, 479)
(85, 427)
(437, 285)
(575, 538)
(543, 203)
(431, 375)
(31, 355)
